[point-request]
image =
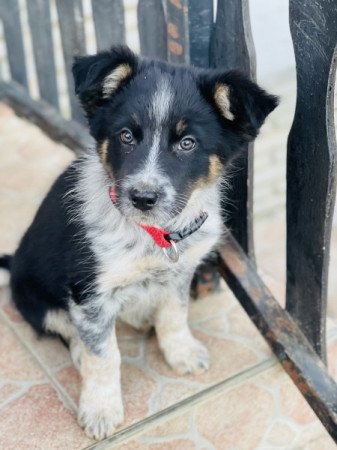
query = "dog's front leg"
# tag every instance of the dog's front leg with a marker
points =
(182, 351)
(101, 406)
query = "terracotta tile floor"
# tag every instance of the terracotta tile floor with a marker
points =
(245, 401)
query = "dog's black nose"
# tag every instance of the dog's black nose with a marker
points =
(143, 200)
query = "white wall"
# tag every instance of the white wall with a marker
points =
(271, 34)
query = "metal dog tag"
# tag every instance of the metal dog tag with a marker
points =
(172, 255)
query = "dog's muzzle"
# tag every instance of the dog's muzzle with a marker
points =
(163, 238)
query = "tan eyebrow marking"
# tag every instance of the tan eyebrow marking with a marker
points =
(180, 127)
(135, 118)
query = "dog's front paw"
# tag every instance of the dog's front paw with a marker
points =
(101, 419)
(186, 357)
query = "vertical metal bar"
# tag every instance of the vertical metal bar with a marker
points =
(40, 27)
(177, 31)
(200, 18)
(311, 166)
(70, 14)
(109, 23)
(233, 48)
(152, 29)
(10, 16)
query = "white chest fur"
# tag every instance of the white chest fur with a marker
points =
(132, 270)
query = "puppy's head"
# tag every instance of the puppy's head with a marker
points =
(164, 131)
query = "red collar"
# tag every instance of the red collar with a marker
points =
(162, 237)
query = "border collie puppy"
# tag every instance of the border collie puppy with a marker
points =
(123, 229)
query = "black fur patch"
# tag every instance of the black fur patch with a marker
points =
(53, 256)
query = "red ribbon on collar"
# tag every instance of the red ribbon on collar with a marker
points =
(157, 234)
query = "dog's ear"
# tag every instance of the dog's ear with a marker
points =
(241, 104)
(100, 76)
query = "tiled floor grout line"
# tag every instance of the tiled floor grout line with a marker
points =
(13, 397)
(57, 386)
(182, 406)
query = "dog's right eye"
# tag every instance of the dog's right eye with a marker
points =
(187, 144)
(126, 136)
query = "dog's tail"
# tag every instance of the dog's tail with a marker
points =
(5, 268)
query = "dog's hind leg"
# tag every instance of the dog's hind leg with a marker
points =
(58, 321)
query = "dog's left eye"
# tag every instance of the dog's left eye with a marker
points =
(187, 144)
(126, 136)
